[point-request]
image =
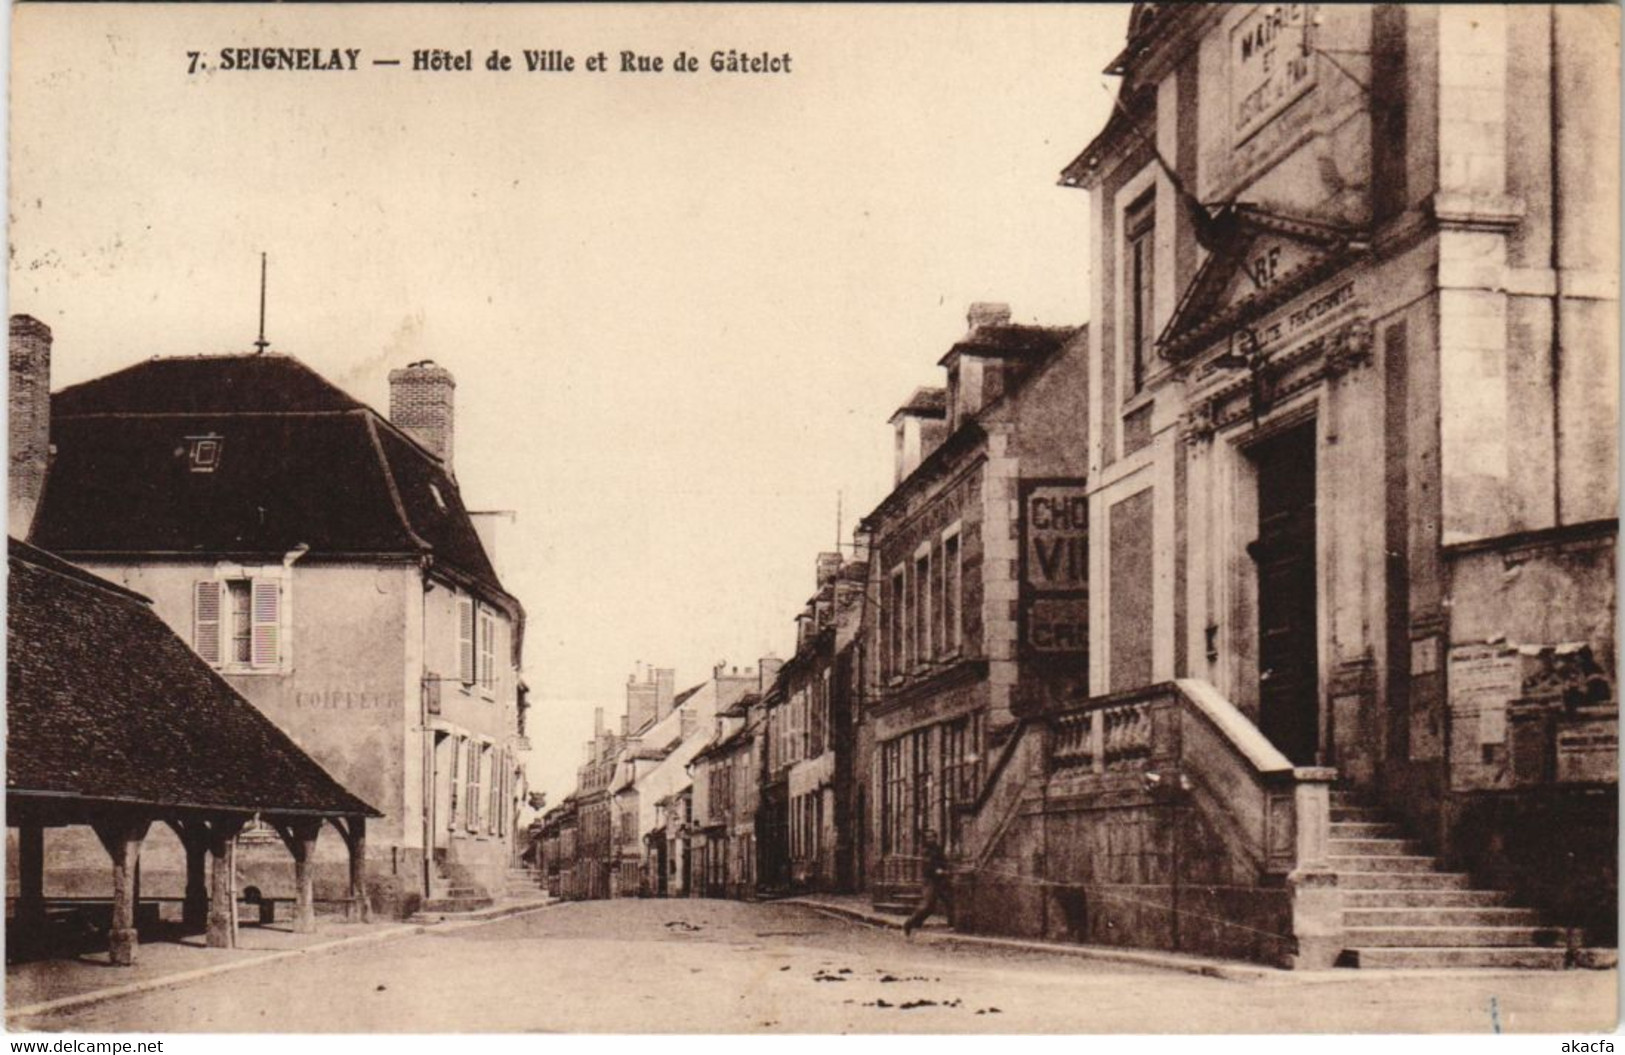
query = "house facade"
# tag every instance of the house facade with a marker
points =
(963, 632)
(319, 557)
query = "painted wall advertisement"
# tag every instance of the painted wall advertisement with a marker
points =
(1054, 568)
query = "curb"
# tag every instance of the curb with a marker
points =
(1227, 970)
(99, 996)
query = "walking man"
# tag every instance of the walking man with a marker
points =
(935, 875)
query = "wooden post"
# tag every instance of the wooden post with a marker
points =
(354, 831)
(299, 836)
(222, 842)
(31, 877)
(195, 907)
(122, 839)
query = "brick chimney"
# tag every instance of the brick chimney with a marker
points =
(421, 398)
(30, 410)
(827, 567)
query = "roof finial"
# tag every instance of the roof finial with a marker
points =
(261, 344)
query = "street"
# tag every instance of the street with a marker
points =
(699, 966)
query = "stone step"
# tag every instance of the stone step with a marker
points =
(1366, 830)
(1374, 847)
(1426, 898)
(1357, 877)
(1460, 937)
(1437, 957)
(1382, 863)
(1434, 916)
(455, 904)
(1357, 815)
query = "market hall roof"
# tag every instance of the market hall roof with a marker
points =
(296, 461)
(106, 705)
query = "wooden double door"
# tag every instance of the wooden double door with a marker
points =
(1284, 558)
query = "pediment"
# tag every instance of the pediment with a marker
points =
(1255, 256)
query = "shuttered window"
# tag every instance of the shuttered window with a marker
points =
(465, 640)
(206, 621)
(237, 623)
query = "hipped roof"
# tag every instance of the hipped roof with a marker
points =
(301, 463)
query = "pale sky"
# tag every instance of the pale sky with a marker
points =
(679, 307)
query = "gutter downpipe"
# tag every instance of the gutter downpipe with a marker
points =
(426, 781)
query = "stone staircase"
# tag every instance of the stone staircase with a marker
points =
(1401, 910)
(526, 882)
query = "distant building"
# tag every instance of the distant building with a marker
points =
(727, 777)
(817, 735)
(633, 797)
(319, 557)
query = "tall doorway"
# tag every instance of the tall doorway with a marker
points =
(1284, 553)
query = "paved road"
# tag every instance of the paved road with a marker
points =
(723, 967)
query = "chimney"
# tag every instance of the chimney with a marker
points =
(488, 526)
(420, 403)
(597, 721)
(828, 566)
(30, 410)
(688, 721)
(987, 313)
(769, 666)
(665, 690)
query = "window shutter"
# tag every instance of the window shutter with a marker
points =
(206, 621)
(487, 648)
(465, 640)
(492, 819)
(267, 623)
(456, 799)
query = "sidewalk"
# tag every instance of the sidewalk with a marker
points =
(856, 907)
(50, 985)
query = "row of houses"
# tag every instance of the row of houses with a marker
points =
(1269, 615)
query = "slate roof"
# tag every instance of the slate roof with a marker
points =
(1011, 341)
(925, 403)
(105, 702)
(300, 462)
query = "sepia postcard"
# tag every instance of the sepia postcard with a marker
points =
(806, 519)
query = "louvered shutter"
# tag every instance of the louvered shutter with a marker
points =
(456, 799)
(465, 640)
(266, 602)
(206, 621)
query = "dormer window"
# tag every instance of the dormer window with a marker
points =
(203, 453)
